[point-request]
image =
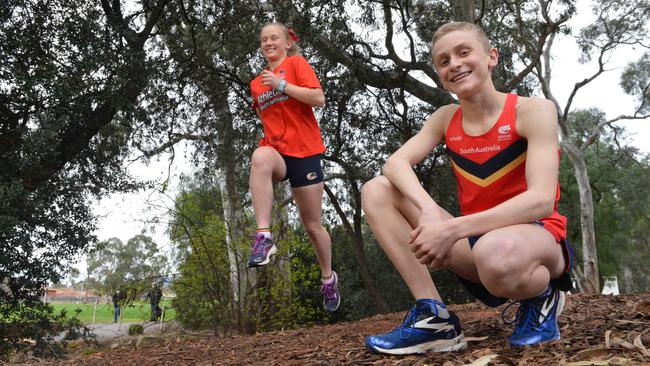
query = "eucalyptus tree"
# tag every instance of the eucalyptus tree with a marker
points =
(204, 294)
(71, 73)
(115, 265)
(617, 24)
(382, 86)
(621, 196)
(385, 45)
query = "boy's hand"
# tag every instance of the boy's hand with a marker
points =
(431, 242)
(269, 78)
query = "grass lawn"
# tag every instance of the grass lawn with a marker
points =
(136, 312)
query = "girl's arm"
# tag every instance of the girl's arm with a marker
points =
(311, 96)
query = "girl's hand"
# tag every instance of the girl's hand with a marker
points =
(269, 78)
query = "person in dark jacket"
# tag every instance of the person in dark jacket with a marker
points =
(117, 298)
(155, 295)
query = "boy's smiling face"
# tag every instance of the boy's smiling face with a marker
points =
(463, 63)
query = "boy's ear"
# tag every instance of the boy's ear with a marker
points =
(493, 58)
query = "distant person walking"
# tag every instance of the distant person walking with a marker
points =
(154, 294)
(117, 298)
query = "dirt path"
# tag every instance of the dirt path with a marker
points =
(595, 330)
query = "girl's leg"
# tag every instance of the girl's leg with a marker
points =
(267, 166)
(309, 200)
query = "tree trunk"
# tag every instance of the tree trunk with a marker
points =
(229, 217)
(233, 214)
(232, 255)
(465, 10)
(280, 223)
(589, 278)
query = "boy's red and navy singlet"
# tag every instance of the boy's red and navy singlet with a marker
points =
(491, 168)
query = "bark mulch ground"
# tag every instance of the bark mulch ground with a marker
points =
(596, 330)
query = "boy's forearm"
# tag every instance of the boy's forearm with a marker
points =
(401, 174)
(523, 208)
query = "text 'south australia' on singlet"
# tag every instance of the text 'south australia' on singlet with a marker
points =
(491, 168)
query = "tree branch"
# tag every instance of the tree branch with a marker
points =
(392, 78)
(77, 135)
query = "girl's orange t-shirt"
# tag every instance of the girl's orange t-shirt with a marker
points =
(290, 126)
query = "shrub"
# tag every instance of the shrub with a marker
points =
(136, 329)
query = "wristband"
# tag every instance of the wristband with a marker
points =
(282, 85)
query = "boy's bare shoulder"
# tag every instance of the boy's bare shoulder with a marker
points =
(439, 120)
(534, 105)
(536, 115)
(448, 109)
(444, 113)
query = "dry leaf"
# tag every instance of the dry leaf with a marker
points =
(475, 339)
(639, 345)
(623, 343)
(485, 360)
(611, 361)
(643, 308)
(591, 353)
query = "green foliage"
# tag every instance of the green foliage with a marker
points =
(33, 328)
(635, 81)
(287, 291)
(621, 202)
(113, 265)
(65, 73)
(283, 294)
(618, 22)
(203, 293)
(136, 329)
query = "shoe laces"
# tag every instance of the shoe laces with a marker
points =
(528, 315)
(258, 246)
(406, 328)
(328, 290)
(411, 317)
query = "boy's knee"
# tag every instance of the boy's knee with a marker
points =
(373, 190)
(498, 266)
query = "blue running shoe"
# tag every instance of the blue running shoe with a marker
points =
(536, 319)
(331, 296)
(428, 327)
(261, 251)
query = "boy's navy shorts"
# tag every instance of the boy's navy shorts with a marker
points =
(303, 171)
(562, 283)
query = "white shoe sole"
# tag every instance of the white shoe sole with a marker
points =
(268, 256)
(560, 303)
(441, 345)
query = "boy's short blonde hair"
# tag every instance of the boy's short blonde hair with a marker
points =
(462, 26)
